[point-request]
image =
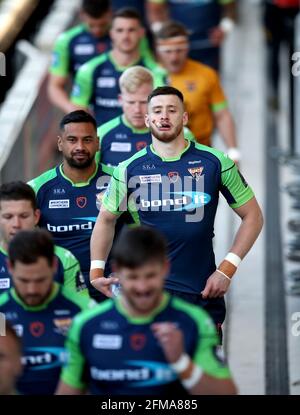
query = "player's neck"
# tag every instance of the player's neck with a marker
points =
(169, 150)
(78, 175)
(125, 59)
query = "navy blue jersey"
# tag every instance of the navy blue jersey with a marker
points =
(68, 272)
(97, 84)
(75, 47)
(42, 330)
(179, 197)
(112, 353)
(119, 141)
(69, 211)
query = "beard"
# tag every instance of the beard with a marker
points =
(165, 136)
(77, 164)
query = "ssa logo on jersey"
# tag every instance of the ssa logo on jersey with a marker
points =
(184, 201)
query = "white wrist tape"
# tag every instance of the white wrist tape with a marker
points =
(194, 379)
(97, 264)
(227, 25)
(182, 363)
(234, 153)
(233, 258)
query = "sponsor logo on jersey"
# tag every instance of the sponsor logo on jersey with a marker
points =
(106, 82)
(59, 204)
(81, 201)
(62, 325)
(140, 374)
(137, 341)
(37, 328)
(39, 358)
(120, 136)
(19, 329)
(109, 325)
(11, 315)
(194, 162)
(196, 172)
(148, 167)
(107, 341)
(140, 145)
(150, 178)
(108, 102)
(84, 49)
(55, 59)
(184, 201)
(76, 90)
(62, 312)
(191, 86)
(4, 283)
(72, 228)
(173, 176)
(120, 147)
(3, 269)
(59, 191)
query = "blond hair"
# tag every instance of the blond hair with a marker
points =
(134, 77)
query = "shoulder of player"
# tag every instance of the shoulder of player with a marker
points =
(130, 164)
(65, 256)
(198, 68)
(216, 156)
(108, 127)
(87, 315)
(88, 68)
(4, 299)
(38, 182)
(68, 36)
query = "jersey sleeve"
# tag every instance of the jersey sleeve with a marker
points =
(73, 278)
(115, 197)
(60, 60)
(206, 355)
(73, 373)
(82, 90)
(234, 187)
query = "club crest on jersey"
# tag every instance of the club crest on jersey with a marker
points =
(81, 202)
(173, 176)
(190, 86)
(62, 325)
(37, 328)
(140, 145)
(137, 341)
(196, 172)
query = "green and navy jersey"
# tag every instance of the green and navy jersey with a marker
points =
(179, 197)
(42, 330)
(112, 353)
(75, 47)
(68, 271)
(119, 141)
(69, 210)
(97, 85)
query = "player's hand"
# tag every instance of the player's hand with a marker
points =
(216, 286)
(216, 36)
(170, 338)
(103, 285)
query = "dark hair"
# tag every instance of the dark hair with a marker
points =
(10, 331)
(28, 246)
(137, 246)
(18, 190)
(165, 90)
(78, 116)
(96, 8)
(170, 29)
(128, 13)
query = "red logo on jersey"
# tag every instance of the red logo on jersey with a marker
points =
(37, 328)
(140, 145)
(173, 176)
(81, 201)
(101, 47)
(137, 341)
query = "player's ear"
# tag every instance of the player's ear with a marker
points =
(59, 143)
(120, 99)
(37, 215)
(185, 118)
(147, 122)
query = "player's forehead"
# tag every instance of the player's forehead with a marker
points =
(165, 101)
(13, 206)
(79, 129)
(125, 22)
